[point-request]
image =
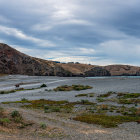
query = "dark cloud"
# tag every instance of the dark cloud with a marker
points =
(98, 31)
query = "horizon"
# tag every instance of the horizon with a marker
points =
(94, 32)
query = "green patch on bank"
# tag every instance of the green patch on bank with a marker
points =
(85, 95)
(128, 95)
(21, 89)
(104, 120)
(73, 87)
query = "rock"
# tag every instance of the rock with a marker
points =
(97, 71)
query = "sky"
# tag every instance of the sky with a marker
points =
(99, 32)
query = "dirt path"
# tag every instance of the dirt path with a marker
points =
(76, 130)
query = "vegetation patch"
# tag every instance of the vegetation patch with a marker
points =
(12, 120)
(85, 95)
(43, 85)
(106, 94)
(128, 95)
(99, 99)
(73, 87)
(21, 89)
(50, 106)
(104, 120)
(128, 101)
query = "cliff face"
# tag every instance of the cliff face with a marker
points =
(97, 71)
(15, 62)
(124, 70)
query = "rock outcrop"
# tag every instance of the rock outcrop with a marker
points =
(97, 71)
(15, 62)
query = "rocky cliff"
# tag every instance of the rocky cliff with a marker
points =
(15, 62)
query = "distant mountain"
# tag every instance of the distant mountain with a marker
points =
(15, 62)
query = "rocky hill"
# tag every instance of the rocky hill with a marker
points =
(15, 62)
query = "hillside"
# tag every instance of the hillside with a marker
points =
(15, 62)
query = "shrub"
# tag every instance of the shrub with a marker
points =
(15, 114)
(55, 109)
(24, 99)
(43, 85)
(43, 125)
(84, 101)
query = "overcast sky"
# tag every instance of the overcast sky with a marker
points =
(100, 32)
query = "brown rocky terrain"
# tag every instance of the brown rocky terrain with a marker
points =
(15, 62)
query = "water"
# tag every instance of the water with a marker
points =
(100, 85)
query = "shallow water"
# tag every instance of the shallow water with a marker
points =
(100, 85)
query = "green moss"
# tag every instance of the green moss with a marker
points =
(104, 120)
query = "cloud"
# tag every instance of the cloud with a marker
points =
(19, 34)
(97, 31)
(85, 60)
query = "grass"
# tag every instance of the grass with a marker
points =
(49, 106)
(73, 87)
(104, 120)
(21, 89)
(12, 120)
(43, 126)
(85, 95)
(99, 99)
(106, 94)
(128, 95)
(7, 92)
(128, 101)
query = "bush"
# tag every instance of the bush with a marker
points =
(15, 114)
(43, 85)
(84, 101)
(43, 126)
(24, 99)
